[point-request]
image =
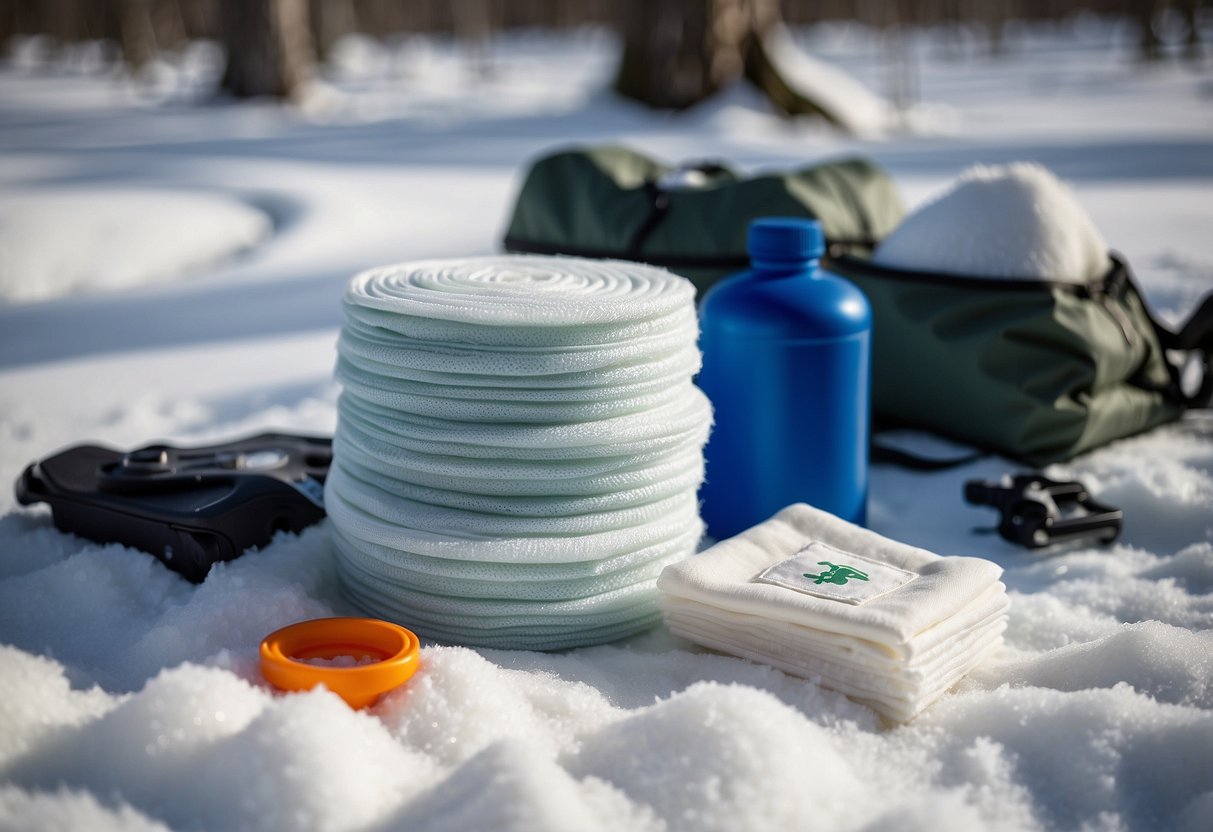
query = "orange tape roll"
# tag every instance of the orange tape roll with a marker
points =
(394, 650)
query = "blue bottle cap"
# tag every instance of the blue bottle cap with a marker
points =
(785, 239)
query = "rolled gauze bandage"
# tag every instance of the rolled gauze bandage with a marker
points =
(661, 429)
(541, 297)
(518, 448)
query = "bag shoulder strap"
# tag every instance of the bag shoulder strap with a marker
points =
(914, 462)
(1195, 338)
(1195, 334)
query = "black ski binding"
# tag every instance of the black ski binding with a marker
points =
(190, 507)
(1038, 512)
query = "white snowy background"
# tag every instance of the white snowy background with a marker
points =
(171, 268)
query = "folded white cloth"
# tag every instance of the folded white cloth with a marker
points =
(851, 667)
(894, 708)
(884, 622)
(723, 577)
(985, 612)
(894, 697)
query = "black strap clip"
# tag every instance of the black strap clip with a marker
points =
(1038, 512)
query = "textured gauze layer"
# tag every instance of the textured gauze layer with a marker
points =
(518, 449)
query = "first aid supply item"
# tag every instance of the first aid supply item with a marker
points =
(518, 448)
(883, 622)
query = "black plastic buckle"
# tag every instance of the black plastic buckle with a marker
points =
(1038, 512)
(190, 507)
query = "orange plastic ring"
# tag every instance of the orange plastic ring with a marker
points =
(396, 652)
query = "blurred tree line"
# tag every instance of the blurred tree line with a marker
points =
(675, 52)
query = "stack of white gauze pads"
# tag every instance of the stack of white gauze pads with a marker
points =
(518, 448)
(885, 623)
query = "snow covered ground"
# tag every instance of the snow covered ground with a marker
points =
(104, 226)
(130, 699)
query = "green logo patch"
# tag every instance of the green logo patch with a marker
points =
(828, 572)
(836, 574)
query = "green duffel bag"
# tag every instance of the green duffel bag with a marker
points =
(612, 202)
(1037, 370)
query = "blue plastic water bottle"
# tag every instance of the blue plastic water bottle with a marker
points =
(786, 363)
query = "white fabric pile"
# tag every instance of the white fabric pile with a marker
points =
(518, 449)
(882, 622)
(1013, 221)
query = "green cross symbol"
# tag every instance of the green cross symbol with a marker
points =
(836, 574)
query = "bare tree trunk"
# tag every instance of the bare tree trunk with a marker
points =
(1148, 44)
(168, 24)
(136, 35)
(201, 19)
(384, 17)
(269, 47)
(10, 21)
(677, 53)
(63, 20)
(1190, 9)
(762, 72)
(473, 27)
(330, 20)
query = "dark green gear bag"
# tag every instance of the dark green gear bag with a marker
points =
(612, 202)
(1035, 370)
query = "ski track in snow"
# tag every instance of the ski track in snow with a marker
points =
(130, 699)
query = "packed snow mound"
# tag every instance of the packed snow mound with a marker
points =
(1003, 221)
(64, 242)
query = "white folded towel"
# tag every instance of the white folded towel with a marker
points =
(982, 615)
(896, 699)
(724, 577)
(886, 623)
